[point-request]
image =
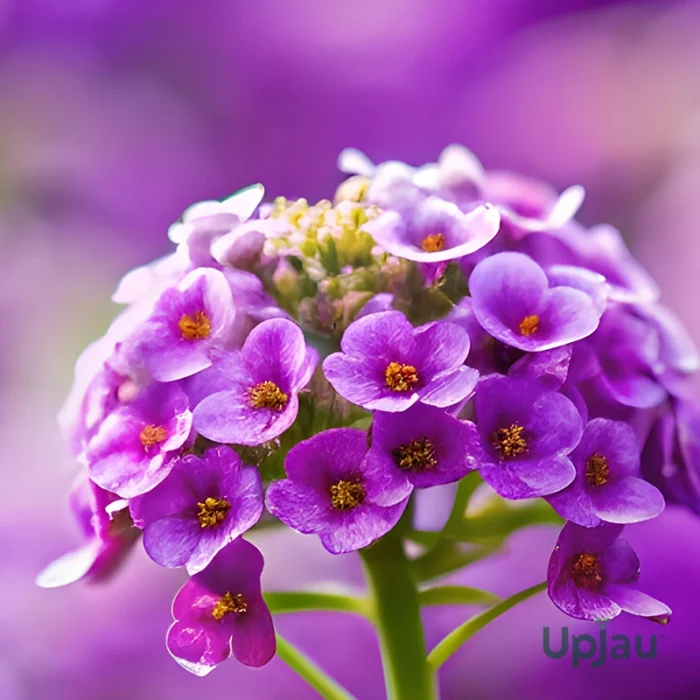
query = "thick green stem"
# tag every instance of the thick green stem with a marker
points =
(310, 672)
(396, 613)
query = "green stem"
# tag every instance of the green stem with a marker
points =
(310, 672)
(457, 637)
(298, 601)
(396, 612)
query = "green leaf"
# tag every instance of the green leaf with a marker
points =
(457, 595)
(454, 640)
(296, 601)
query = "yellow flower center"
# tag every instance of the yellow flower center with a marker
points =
(529, 325)
(195, 327)
(152, 435)
(433, 243)
(416, 456)
(346, 495)
(267, 395)
(401, 377)
(229, 604)
(212, 512)
(597, 470)
(586, 570)
(509, 442)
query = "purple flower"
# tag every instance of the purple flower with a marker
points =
(222, 609)
(108, 537)
(136, 445)
(590, 573)
(202, 505)
(435, 230)
(526, 432)
(387, 365)
(333, 491)
(512, 300)
(425, 445)
(626, 351)
(607, 486)
(188, 325)
(250, 396)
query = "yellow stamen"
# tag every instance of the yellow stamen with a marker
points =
(416, 456)
(529, 325)
(586, 570)
(346, 495)
(195, 327)
(267, 395)
(597, 470)
(213, 511)
(509, 442)
(229, 604)
(152, 435)
(401, 377)
(433, 243)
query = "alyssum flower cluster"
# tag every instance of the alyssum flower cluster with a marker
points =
(318, 364)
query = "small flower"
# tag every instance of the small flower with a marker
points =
(590, 573)
(108, 537)
(331, 490)
(435, 231)
(222, 609)
(136, 445)
(387, 365)
(188, 325)
(526, 432)
(251, 395)
(425, 445)
(201, 506)
(512, 301)
(607, 486)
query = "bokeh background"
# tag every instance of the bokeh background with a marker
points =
(117, 114)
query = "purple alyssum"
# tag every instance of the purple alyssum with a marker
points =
(332, 490)
(203, 504)
(387, 365)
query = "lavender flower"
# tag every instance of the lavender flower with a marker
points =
(189, 324)
(425, 445)
(526, 432)
(333, 491)
(387, 365)
(221, 610)
(138, 442)
(108, 536)
(512, 300)
(202, 505)
(251, 395)
(607, 486)
(592, 573)
(436, 231)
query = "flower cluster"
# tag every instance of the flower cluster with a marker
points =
(322, 362)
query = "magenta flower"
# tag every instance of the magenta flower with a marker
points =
(136, 445)
(425, 445)
(108, 537)
(387, 365)
(435, 230)
(607, 486)
(203, 504)
(333, 491)
(250, 396)
(592, 572)
(220, 610)
(512, 301)
(189, 324)
(526, 432)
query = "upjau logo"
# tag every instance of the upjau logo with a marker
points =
(585, 647)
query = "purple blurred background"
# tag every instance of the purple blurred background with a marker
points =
(117, 114)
